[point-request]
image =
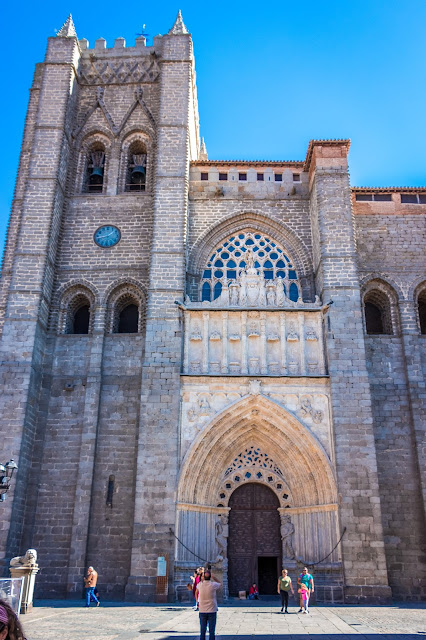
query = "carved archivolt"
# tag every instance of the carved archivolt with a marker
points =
(269, 428)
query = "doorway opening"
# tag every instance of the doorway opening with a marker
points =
(268, 570)
(254, 543)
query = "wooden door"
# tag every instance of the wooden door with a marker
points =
(254, 532)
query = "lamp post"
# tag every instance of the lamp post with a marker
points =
(6, 473)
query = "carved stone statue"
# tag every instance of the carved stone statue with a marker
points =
(28, 561)
(287, 531)
(243, 289)
(221, 536)
(270, 294)
(233, 293)
(280, 291)
(250, 261)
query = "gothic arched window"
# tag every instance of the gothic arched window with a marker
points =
(128, 319)
(125, 310)
(377, 312)
(81, 320)
(228, 260)
(421, 305)
(136, 167)
(95, 165)
(77, 314)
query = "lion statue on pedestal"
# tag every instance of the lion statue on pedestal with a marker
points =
(29, 560)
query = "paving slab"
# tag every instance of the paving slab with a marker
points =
(64, 620)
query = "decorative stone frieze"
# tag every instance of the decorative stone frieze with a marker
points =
(103, 71)
(254, 342)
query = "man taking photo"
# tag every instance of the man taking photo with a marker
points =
(207, 604)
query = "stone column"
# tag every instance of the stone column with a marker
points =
(335, 265)
(225, 344)
(283, 344)
(206, 343)
(263, 365)
(244, 351)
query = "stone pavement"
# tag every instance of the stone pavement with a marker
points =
(64, 620)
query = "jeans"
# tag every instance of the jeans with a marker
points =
(90, 595)
(305, 604)
(284, 599)
(210, 620)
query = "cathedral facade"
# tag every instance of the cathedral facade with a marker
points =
(218, 361)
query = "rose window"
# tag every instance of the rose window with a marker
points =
(228, 260)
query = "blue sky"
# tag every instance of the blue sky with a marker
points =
(270, 77)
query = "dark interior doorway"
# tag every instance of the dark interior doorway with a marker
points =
(268, 571)
(254, 543)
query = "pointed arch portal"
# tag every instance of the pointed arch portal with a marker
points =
(215, 474)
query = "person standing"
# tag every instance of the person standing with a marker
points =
(306, 579)
(196, 578)
(304, 595)
(90, 583)
(207, 604)
(284, 587)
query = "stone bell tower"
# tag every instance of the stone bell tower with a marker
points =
(178, 144)
(29, 263)
(87, 108)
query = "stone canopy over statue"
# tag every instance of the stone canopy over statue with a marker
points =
(251, 290)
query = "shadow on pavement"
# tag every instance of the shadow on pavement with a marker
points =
(285, 636)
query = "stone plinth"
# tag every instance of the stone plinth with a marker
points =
(29, 575)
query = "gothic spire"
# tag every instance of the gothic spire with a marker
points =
(68, 29)
(178, 27)
(203, 150)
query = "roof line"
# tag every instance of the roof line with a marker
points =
(387, 189)
(251, 163)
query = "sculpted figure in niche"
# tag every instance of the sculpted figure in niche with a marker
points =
(250, 261)
(262, 292)
(280, 291)
(287, 531)
(223, 299)
(243, 289)
(233, 293)
(270, 294)
(29, 560)
(221, 536)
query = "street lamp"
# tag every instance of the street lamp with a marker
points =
(6, 473)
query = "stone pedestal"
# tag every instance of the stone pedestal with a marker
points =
(29, 575)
